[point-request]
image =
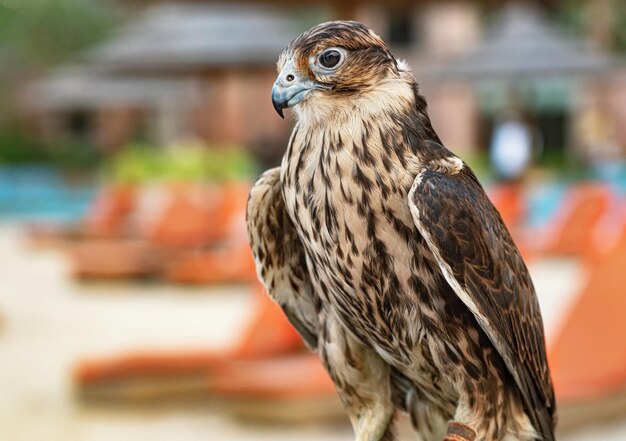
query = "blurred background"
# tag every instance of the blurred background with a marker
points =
(130, 133)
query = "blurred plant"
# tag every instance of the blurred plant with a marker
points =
(556, 163)
(181, 162)
(18, 147)
(479, 162)
(574, 15)
(561, 164)
(45, 32)
(620, 27)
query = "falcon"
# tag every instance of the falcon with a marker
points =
(386, 255)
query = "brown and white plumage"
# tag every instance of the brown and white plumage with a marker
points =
(385, 253)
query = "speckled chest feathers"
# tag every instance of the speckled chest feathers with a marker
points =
(345, 179)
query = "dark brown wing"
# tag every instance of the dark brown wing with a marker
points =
(482, 264)
(279, 256)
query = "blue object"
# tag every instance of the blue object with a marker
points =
(30, 193)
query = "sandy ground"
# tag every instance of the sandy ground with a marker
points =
(49, 322)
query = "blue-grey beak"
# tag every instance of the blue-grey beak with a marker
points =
(290, 88)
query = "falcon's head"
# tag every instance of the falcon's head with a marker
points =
(332, 60)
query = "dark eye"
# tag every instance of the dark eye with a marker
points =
(330, 58)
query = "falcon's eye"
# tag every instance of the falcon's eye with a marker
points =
(330, 58)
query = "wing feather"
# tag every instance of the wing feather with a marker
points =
(279, 256)
(481, 263)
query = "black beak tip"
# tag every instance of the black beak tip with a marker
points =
(279, 109)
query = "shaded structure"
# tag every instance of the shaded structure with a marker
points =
(522, 46)
(188, 36)
(526, 63)
(178, 70)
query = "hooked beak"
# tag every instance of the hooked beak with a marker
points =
(291, 88)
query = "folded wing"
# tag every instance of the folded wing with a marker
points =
(279, 255)
(481, 263)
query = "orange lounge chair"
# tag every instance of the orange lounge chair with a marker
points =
(588, 357)
(183, 216)
(228, 265)
(173, 225)
(291, 388)
(232, 261)
(108, 214)
(107, 217)
(269, 334)
(510, 201)
(112, 259)
(571, 232)
(194, 215)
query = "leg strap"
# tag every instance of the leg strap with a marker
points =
(459, 432)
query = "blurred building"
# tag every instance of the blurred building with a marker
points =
(205, 69)
(176, 70)
(526, 64)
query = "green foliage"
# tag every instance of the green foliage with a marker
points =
(560, 163)
(554, 162)
(181, 162)
(44, 32)
(74, 155)
(18, 147)
(620, 26)
(573, 15)
(479, 163)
